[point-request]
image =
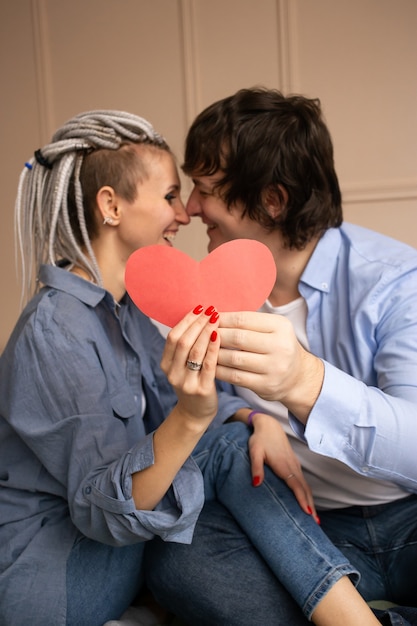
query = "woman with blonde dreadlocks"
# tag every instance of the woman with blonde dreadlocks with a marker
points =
(99, 416)
(85, 464)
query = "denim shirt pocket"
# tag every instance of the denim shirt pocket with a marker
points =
(124, 404)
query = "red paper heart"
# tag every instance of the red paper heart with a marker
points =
(166, 283)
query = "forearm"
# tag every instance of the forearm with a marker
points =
(173, 443)
(241, 415)
(304, 389)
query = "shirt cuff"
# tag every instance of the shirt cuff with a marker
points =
(174, 518)
(330, 428)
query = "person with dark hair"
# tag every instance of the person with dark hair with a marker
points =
(99, 417)
(258, 143)
(328, 366)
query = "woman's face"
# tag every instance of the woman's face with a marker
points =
(157, 212)
(223, 223)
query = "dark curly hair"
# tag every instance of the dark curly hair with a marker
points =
(261, 140)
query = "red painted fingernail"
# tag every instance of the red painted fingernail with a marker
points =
(310, 510)
(213, 336)
(256, 480)
(210, 310)
(213, 319)
(198, 309)
(318, 520)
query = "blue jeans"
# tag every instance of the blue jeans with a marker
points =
(381, 541)
(220, 580)
(102, 581)
(256, 539)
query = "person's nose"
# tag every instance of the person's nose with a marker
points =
(192, 206)
(181, 215)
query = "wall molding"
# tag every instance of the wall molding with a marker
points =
(192, 86)
(44, 91)
(359, 193)
(287, 46)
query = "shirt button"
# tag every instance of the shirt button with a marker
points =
(324, 286)
(365, 469)
(87, 490)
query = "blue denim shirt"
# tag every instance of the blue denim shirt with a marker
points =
(72, 381)
(361, 293)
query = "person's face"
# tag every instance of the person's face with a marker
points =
(223, 224)
(157, 212)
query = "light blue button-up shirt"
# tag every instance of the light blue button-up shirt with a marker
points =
(72, 431)
(361, 293)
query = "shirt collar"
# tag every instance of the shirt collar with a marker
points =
(322, 264)
(63, 280)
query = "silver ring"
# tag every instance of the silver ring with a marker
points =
(290, 476)
(193, 365)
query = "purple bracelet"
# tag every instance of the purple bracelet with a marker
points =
(250, 418)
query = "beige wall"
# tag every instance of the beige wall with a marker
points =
(167, 59)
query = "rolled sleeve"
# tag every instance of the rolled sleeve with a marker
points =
(106, 511)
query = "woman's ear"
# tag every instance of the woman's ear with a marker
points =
(274, 200)
(106, 200)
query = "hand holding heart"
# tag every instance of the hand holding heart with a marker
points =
(166, 283)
